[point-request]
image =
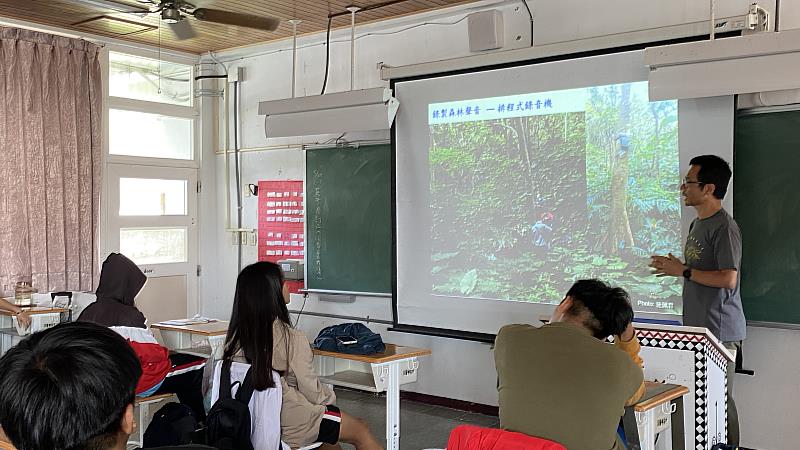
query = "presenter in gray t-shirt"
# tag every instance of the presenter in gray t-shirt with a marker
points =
(713, 258)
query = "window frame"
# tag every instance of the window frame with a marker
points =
(116, 166)
(150, 107)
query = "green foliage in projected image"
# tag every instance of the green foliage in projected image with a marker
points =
(608, 176)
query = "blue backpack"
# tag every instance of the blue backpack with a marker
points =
(351, 338)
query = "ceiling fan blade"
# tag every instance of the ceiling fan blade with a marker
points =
(111, 5)
(182, 30)
(237, 19)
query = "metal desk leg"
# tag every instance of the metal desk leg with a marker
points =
(649, 430)
(678, 438)
(144, 409)
(392, 405)
(631, 429)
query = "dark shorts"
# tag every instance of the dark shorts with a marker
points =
(329, 427)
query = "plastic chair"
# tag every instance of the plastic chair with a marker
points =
(68, 306)
(469, 437)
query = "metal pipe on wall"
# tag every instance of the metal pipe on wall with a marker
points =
(353, 10)
(227, 143)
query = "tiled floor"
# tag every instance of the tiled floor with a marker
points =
(421, 426)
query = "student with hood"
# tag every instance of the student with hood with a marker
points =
(120, 283)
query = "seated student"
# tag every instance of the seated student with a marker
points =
(562, 381)
(260, 331)
(71, 386)
(265, 429)
(120, 282)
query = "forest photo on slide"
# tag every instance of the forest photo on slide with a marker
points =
(525, 205)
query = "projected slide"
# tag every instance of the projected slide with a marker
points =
(531, 192)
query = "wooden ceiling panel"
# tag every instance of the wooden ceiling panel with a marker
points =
(69, 14)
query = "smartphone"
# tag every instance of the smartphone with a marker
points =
(347, 340)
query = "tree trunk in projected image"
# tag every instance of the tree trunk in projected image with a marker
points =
(556, 158)
(619, 235)
(521, 125)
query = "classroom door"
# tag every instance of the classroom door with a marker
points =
(151, 218)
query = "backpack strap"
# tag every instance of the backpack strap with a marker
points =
(225, 380)
(246, 389)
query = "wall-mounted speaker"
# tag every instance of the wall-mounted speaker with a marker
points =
(485, 30)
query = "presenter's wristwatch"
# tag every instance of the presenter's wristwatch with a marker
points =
(687, 273)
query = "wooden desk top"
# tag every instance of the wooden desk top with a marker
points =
(217, 328)
(392, 353)
(153, 398)
(34, 310)
(659, 393)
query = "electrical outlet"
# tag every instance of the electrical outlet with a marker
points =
(252, 238)
(235, 238)
(246, 190)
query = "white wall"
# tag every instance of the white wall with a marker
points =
(458, 369)
(789, 18)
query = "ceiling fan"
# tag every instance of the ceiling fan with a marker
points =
(175, 12)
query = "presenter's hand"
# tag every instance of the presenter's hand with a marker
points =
(667, 266)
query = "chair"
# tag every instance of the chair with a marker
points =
(143, 404)
(65, 317)
(469, 437)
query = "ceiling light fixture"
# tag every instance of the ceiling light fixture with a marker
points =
(359, 110)
(171, 15)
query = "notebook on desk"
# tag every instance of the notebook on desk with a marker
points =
(185, 322)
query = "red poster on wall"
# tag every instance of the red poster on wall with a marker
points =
(281, 220)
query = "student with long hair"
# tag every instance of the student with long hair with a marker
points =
(261, 331)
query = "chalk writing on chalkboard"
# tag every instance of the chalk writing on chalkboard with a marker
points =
(317, 192)
(349, 242)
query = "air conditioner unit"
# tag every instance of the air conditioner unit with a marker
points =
(341, 112)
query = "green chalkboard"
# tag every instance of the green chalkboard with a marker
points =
(767, 208)
(349, 229)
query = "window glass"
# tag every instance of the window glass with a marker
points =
(152, 197)
(149, 79)
(134, 133)
(153, 245)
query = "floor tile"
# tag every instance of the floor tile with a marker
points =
(422, 426)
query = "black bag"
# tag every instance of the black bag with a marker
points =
(173, 424)
(228, 421)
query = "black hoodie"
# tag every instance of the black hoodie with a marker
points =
(120, 281)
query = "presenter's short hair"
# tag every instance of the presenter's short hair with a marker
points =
(713, 170)
(67, 388)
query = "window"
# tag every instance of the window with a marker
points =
(152, 197)
(148, 135)
(153, 245)
(151, 109)
(150, 181)
(149, 79)
(152, 216)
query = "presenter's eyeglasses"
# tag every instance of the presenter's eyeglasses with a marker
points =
(698, 183)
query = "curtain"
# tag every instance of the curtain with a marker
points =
(50, 139)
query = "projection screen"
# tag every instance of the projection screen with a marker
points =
(512, 183)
